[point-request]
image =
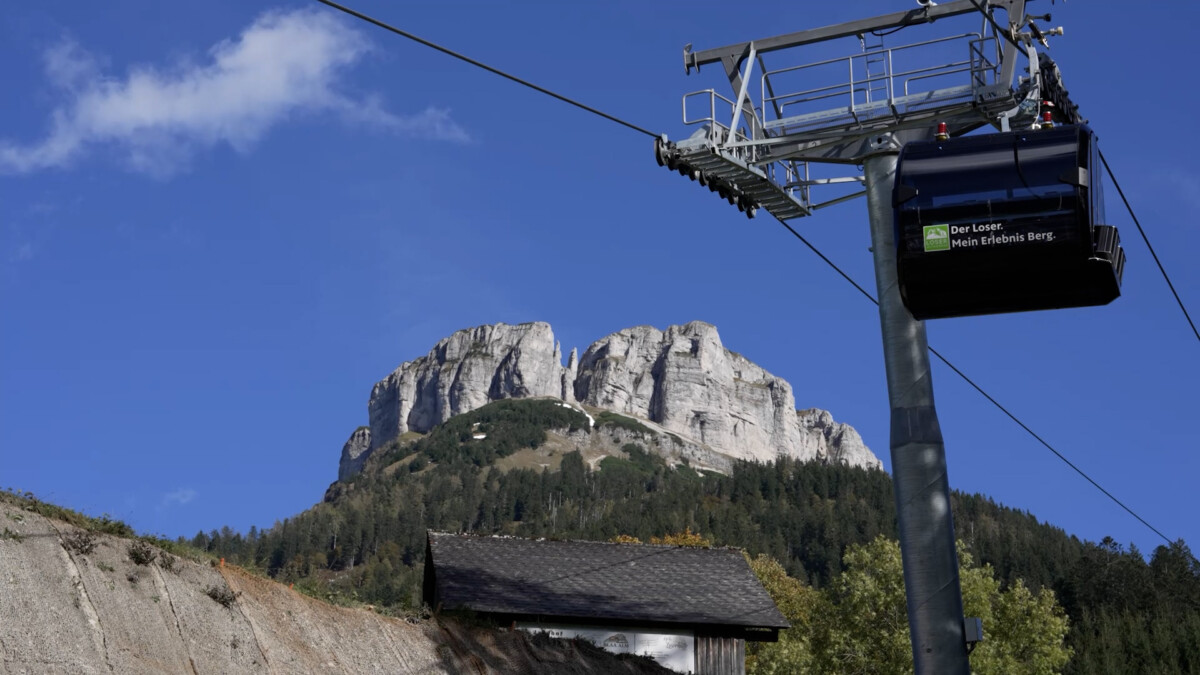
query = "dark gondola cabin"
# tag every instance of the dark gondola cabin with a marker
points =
(1004, 222)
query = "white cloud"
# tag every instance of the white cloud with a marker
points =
(285, 63)
(178, 497)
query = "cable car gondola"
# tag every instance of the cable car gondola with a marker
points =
(1004, 222)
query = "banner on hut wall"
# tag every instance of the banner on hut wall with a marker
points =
(673, 649)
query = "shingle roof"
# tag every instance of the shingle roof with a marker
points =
(595, 580)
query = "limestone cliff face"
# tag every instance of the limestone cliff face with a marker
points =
(682, 379)
(685, 380)
(836, 442)
(354, 453)
(463, 372)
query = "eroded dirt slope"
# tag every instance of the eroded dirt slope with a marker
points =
(79, 603)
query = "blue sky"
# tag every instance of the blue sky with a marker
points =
(222, 222)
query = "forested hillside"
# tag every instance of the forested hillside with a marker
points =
(367, 541)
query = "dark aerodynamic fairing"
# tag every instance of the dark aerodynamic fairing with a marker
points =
(1004, 222)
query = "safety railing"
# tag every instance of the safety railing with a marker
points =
(904, 90)
(977, 64)
(718, 133)
(741, 146)
(981, 65)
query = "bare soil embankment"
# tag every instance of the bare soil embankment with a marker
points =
(73, 601)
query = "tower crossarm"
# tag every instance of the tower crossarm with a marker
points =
(735, 52)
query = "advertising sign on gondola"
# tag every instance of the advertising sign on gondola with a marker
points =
(944, 237)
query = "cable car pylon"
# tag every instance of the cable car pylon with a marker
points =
(1028, 236)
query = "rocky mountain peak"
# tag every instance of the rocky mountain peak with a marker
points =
(682, 379)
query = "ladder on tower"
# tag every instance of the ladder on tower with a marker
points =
(877, 76)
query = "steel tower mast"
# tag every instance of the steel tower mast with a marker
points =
(757, 151)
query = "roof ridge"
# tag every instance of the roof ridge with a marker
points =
(479, 535)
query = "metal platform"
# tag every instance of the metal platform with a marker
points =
(879, 87)
(749, 181)
(745, 180)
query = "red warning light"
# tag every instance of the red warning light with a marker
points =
(1047, 118)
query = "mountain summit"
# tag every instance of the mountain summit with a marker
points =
(682, 381)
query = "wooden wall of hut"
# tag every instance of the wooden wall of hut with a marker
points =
(720, 655)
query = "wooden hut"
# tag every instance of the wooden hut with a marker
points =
(691, 609)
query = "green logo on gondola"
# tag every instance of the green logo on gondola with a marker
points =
(937, 237)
